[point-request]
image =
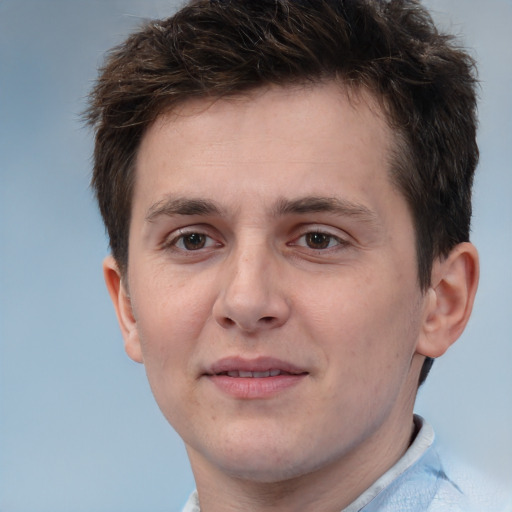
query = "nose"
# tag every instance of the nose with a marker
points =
(251, 296)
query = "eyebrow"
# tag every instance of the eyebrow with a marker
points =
(314, 204)
(310, 204)
(182, 206)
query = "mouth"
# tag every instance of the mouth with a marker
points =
(255, 375)
(258, 368)
(256, 378)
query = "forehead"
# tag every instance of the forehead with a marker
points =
(299, 123)
(273, 143)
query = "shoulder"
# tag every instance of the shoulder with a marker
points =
(437, 482)
(467, 489)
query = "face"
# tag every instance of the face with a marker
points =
(272, 277)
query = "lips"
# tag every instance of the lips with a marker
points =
(254, 375)
(254, 379)
(253, 368)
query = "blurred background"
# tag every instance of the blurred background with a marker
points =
(79, 429)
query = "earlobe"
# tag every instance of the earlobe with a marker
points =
(449, 300)
(120, 297)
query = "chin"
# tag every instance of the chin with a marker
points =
(265, 471)
(265, 459)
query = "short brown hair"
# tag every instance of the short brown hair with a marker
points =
(215, 48)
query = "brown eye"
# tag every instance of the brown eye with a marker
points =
(183, 241)
(318, 240)
(192, 241)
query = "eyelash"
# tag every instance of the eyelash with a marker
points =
(178, 243)
(175, 242)
(328, 238)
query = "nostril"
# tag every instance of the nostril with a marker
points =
(228, 322)
(267, 319)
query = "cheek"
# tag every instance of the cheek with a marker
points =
(170, 315)
(169, 326)
(368, 325)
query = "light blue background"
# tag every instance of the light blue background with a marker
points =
(79, 430)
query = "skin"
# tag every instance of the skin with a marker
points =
(266, 226)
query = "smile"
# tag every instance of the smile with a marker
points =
(260, 378)
(260, 367)
(254, 375)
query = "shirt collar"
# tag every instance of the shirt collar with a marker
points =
(422, 442)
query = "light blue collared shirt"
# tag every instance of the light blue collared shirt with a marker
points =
(417, 483)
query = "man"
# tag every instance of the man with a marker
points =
(287, 190)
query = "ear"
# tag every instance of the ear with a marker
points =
(123, 306)
(449, 300)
